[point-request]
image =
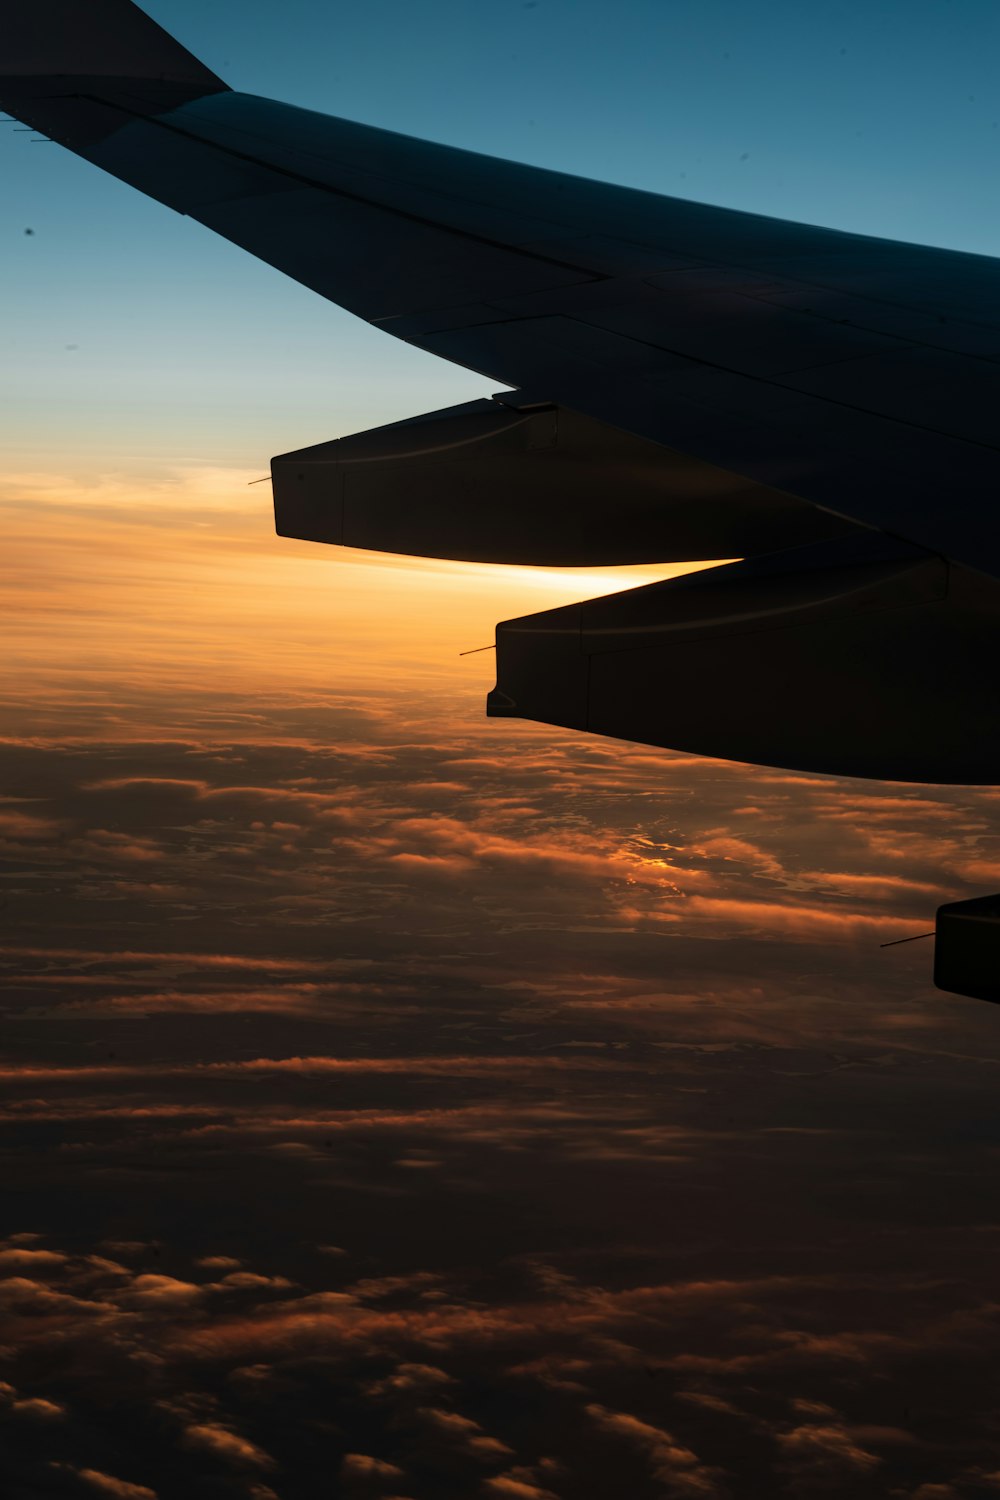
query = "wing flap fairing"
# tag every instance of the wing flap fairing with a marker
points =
(967, 948)
(511, 481)
(822, 659)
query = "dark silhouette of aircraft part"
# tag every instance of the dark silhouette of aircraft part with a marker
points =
(967, 948)
(509, 481)
(824, 658)
(689, 382)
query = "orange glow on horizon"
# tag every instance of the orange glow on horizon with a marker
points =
(178, 582)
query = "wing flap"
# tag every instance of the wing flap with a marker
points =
(492, 482)
(817, 660)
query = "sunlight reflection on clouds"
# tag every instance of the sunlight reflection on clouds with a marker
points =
(397, 1101)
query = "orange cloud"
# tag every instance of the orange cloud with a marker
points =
(128, 956)
(709, 1402)
(803, 923)
(467, 1434)
(447, 846)
(512, 1487)
(678, 1469)
(825, 1449)
(31, 1260)
(410, 1377)
(20, 825)
(364, 1466)
(246, 1281)
(152, 1291)
(740, 851)
(461, 1066)
(39, 1408)
(223, 1443)
(107, 1484)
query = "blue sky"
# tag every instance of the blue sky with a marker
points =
(880, 117)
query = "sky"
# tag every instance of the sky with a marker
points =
(400, 1103)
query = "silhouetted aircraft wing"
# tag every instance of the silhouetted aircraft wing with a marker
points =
(857, 374)
(690, 382)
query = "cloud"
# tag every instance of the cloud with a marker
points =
(802, 923)
(576, 1337)
(38, 1261)
(117, 1489)
(885, 886)
(460, 1065)
(740, 851)
(364, 1466)
(464, 1432)
(410, 1377)
(513, 1487)
(677, 1469)
(15, 826)
(38, 1408)
(372, 1288)
(448, 847)
(628, 1001)
(824, 1450)
(709, 1402)
(21, 1295)
(223, 1442)
(560, 1372)
(808, 1408)
(245, 1281)
(155, 1291)
(99, 1266)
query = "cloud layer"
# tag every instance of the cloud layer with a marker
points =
(396, 1104)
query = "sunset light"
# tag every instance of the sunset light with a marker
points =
(401, 1103)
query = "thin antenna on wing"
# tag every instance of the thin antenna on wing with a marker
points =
(475, 649)
(896, 941)
(258, 481)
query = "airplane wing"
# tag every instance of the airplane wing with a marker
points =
(690, 382)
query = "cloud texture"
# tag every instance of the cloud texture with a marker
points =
(398, 1104)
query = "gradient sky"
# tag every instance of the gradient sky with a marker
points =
(398, 1103)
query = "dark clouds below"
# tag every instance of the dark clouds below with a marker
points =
(400, 1105)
